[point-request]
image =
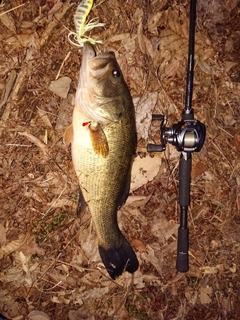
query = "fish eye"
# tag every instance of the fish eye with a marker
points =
(116, 73)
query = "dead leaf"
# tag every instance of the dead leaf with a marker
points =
(144, 170)
(151, 257)
(144, 109)
(204, 66)
(205, 295)
(95, 293)
(9, 22)
(146, 46)
(198, 169)
(237, 141)
(25, 266)
(81, 313)
(42, 146)
(13, 245)
(57, 6)
(13, 308)
(139, 245)
(44, 118)
(172, 68)
(33, 46)
(63, 116)
(173, 40)
(191, 296)
(164, 229)
(212, 269)
(60, 87)
(8, 88)
(2, 235)
(137, 201)
(12, 274)
(89, 245)
(61, 298)
(31, 247)
(119, 309)
(38, 315)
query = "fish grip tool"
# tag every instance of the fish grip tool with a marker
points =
(188, 136)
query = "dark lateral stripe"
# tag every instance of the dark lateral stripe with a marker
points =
(82, 9)
(81, 12)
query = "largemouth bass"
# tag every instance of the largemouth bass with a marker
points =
(103, 138)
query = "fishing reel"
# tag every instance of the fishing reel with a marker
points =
(187, 135)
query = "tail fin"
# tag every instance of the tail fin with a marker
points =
(2, 317)
(119, 259)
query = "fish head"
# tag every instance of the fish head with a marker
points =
(102, 93)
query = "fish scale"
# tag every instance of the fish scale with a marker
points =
(103, 137)
(103, 186)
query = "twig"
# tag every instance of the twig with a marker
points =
(7, 92)
(9, 85)
(37, 142)
(217, 148)
(23, 4)
(52, 24)
(60, 69)
(49, 209)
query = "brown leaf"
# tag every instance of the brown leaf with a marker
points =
(60, 87)
(13, 245)
(9, 22)
(164, 229)
(237, 141)
(30, 247)
(198, 169)
(2, 235)
(139, 245)
(38, 315)
(205, 295)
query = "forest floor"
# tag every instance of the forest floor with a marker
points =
(49, 261)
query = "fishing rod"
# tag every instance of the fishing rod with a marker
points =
(187, 136)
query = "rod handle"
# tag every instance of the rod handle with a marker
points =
(185, 166)
(182, 264)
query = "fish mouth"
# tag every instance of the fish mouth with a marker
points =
(94, 66)
(88, 54)
(97, 64)
(100, 64)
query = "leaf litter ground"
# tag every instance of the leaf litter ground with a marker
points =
(49, 264)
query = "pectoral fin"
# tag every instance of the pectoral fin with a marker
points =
(98, 139)
(68, 135)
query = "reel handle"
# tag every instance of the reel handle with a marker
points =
(151, 147)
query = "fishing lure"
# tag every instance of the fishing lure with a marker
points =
(80, 17)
